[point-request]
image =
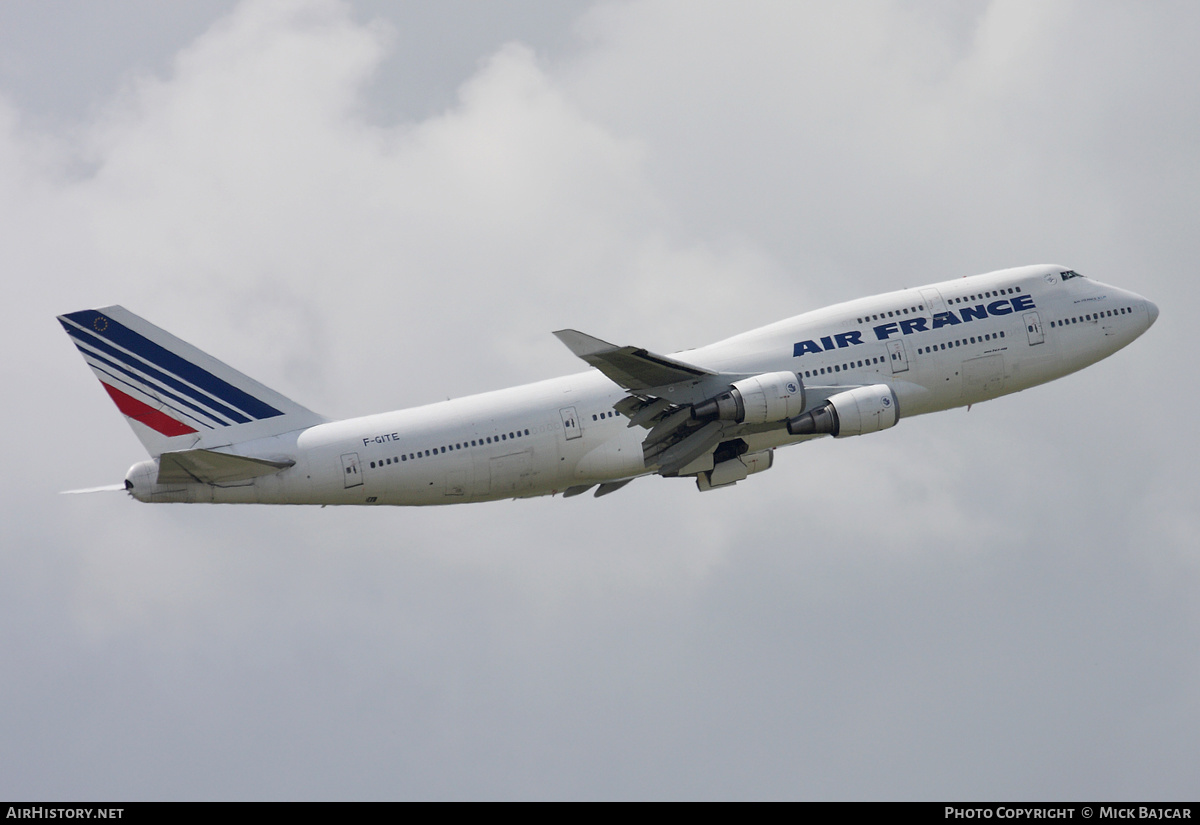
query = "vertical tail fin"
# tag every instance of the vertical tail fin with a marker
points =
(174, 396)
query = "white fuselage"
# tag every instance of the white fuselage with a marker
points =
(941, 346)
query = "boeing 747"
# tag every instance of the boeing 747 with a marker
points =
(715, 414)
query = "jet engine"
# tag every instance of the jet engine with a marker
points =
(760, 399)
(855, 412)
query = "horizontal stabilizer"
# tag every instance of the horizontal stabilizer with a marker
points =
(209, 467)
(632, 368)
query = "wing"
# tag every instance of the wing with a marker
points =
(662, 392)
(697, 419)
(635, 369)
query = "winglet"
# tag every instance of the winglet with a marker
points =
(632, 368)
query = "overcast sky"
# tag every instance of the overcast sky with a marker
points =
(371, 205)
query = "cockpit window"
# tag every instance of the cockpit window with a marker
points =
(1069, 274)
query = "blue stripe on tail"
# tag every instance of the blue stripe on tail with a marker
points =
(158, 375)
(151, 352)
(140, 384)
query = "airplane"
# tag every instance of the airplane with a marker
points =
(715, 414)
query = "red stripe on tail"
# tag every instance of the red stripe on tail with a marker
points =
(152, 418)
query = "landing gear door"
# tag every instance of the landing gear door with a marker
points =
(351, 473)
(1033, 327)
(570, 423)
(898, 356)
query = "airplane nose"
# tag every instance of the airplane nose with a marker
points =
(1152, 312)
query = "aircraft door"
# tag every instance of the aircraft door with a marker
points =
(350, 470)
(1108, 324)
(456, 482)
(511, 473)
(898, 356)
(933, 301)
(570, 423)
(1033, 327)
(983, 377)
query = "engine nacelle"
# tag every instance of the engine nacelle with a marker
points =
(760, 399)
(854, 412)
